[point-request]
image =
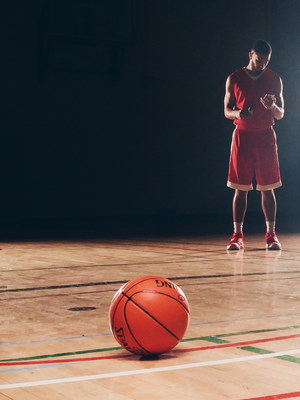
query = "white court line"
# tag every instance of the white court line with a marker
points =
(146, 371)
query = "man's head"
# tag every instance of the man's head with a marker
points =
(260, 54)
(262, 47)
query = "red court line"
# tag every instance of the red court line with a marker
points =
(220, 346)
(277, 396)
(65, 360)
(241, 344)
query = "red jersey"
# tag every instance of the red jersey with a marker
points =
(248, 90)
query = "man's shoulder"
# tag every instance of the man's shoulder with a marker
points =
(269, 72)
(237, 74)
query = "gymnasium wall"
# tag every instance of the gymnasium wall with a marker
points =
(115, 108)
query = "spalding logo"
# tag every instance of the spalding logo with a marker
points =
(122, 340)
(171, 285)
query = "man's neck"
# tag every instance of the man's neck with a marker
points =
(254, 72)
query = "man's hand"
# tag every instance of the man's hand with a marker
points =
(268, 101)
(246, 113)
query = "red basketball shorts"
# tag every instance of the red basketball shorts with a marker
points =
(254, 156)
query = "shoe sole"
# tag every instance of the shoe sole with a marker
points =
(234, 246)
(273, 246)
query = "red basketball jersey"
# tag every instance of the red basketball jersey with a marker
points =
(248, 90)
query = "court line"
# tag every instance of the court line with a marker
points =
(146, 371)
(115, 289)
(245, 319)
(176, 278)
(94, 266)
(66, 360)
(5, 371)
(277, 396)
(56, 339)
(62, 294)
(213, 339)
(257, 350)
(240, 344)
(38, 359)
(192, 324)
(257, 331)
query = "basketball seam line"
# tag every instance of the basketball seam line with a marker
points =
(129, 328)
(151, 316)
(165, 294)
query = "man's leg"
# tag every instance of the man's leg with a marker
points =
(239, 207)
(269, 207)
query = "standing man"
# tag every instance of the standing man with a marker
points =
(253, 99)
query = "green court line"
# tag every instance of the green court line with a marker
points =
(216, 338)
(262, 351)
(257, 331)
(212, 338)
(73, 353)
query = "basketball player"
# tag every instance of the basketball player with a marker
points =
(253, 99)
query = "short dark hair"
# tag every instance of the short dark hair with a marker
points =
(262, 46)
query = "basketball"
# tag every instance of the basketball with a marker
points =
(149, 315)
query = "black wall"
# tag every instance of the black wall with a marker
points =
(115, 108)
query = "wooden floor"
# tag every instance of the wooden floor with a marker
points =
(243, 341)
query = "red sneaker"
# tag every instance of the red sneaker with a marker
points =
(236, 242)
(272, 241)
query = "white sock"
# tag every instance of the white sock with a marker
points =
(238, 227)
(270, 226)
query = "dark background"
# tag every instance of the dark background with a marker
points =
(112, 113)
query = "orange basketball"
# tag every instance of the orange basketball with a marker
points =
(149, 315)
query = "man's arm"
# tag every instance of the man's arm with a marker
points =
(229, 101)
(275, 102)
(230, 110)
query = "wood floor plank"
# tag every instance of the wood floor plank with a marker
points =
(55, 298)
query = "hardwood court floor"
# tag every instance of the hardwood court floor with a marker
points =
(243, 341)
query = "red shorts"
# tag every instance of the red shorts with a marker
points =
(254, 155)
